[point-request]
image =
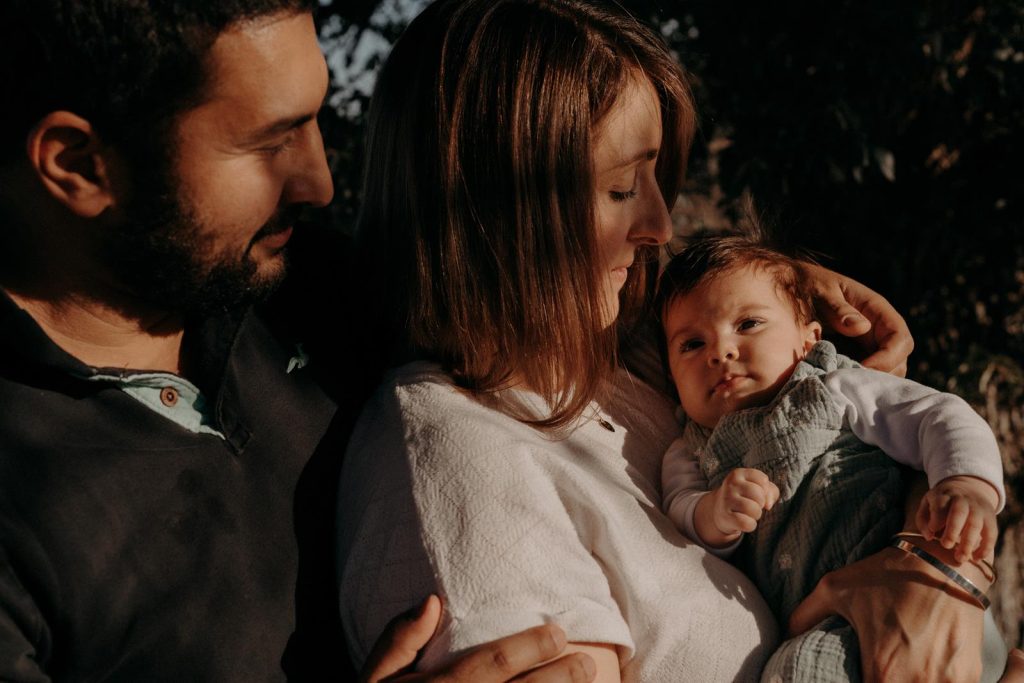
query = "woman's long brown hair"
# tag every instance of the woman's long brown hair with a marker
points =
(476, 243)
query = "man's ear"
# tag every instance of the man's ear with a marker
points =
(72, 163)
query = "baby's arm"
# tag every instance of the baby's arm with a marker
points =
(940, 434)
(735, 507)
(692, 507)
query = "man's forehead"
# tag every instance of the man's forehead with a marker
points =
(266, 68)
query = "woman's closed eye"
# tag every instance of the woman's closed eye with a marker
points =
(622, 195)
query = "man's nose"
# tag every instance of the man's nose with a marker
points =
(310, 181)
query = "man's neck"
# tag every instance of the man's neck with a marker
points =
(100, 336)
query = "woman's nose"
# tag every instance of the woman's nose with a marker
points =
(654, 226)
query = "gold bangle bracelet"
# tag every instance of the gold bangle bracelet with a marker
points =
(983, 565)
(957, 578)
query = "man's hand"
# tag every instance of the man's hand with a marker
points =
(912, 625)
(853, 310)
(516, 658)
(734, 507)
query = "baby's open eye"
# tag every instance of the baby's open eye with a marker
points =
(690, 345)
(750, 323)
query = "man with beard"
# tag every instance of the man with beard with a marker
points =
(153, 158)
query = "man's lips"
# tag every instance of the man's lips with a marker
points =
(277, 239)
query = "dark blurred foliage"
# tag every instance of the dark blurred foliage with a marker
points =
(887, 136)
(884, 135)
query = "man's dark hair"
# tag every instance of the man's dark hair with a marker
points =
(127, 66)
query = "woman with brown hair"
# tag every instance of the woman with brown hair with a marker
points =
(522, 156)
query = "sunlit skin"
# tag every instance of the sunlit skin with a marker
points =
(253, 147)
(628, 205)
(733, 342)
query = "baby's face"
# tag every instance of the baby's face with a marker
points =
(733, 342)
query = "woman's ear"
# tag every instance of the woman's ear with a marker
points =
(812, 335)
(71, 161)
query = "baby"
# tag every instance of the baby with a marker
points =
(801, 450)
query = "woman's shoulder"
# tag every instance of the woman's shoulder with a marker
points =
(418, 412)
(422, 396)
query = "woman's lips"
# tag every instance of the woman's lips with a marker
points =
(620, 275)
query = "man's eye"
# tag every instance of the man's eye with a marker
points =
(274, 150)
(750, 324)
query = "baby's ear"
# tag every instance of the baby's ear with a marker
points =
(812, 335)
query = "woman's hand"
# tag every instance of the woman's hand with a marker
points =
(515, 658)
(853, 310)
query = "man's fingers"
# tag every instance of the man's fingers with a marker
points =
(813, 609)
(889, 359)
(575, 668)
(840, 315)
(505, 659)
(404, 637)
(1014, 672)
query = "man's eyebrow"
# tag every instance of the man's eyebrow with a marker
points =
(278, 127)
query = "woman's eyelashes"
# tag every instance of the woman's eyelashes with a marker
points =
(625, 195)
(622, 196)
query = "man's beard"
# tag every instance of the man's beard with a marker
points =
(167, 259)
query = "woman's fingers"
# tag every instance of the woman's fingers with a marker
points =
(574, 668)
(404, 637)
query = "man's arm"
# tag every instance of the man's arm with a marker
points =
(23, 632)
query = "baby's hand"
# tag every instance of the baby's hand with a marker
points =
(741, 500)
(961, 513)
